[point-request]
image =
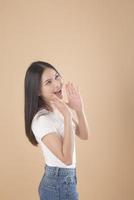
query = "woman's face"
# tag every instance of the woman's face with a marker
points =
(51, 83)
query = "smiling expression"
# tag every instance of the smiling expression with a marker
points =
(51, 83)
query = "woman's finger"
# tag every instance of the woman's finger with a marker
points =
(59, 101)
(69, 88)
(55, 103)
(73, 88)
(78, 89)
(56, 98)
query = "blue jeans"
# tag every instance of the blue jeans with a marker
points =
(58, 184)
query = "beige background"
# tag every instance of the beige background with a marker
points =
(92, 44)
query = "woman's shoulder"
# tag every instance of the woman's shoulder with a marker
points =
(40, 112)
(45, 118)
(46, 114)
(39, 117)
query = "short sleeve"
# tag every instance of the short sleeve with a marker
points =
(41, 126)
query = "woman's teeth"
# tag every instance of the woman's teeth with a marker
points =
(59, 92)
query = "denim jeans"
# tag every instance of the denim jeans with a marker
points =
(58, 184)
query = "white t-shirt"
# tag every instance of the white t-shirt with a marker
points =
(45, 122)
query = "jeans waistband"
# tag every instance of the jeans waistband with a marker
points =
(59, 171)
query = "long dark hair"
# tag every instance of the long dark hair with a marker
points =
(34, 102)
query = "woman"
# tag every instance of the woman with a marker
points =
(49, 123)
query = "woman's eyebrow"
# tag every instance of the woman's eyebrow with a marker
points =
(49, 78)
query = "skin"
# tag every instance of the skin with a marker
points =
(75, 101)
(49, 87)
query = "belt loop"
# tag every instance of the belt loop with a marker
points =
(57, 170)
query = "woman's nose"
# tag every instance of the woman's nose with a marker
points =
(58, 84)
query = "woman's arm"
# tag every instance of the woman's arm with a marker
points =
(62, 147)
(82, 128)
(76, 103)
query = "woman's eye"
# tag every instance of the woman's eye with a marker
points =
(57, 75)
(48, 82)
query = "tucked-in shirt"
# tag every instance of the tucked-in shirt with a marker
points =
(45, 122)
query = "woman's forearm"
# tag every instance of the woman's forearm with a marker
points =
(82, 125)
(68, 140)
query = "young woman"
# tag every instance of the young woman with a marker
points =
(49, 123)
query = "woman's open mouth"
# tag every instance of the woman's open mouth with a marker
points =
(58, 93)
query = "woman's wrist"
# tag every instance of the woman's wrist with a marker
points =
(67, 116)
(79, 112)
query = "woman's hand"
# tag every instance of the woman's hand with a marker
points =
(61, 106)
(74, 98)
